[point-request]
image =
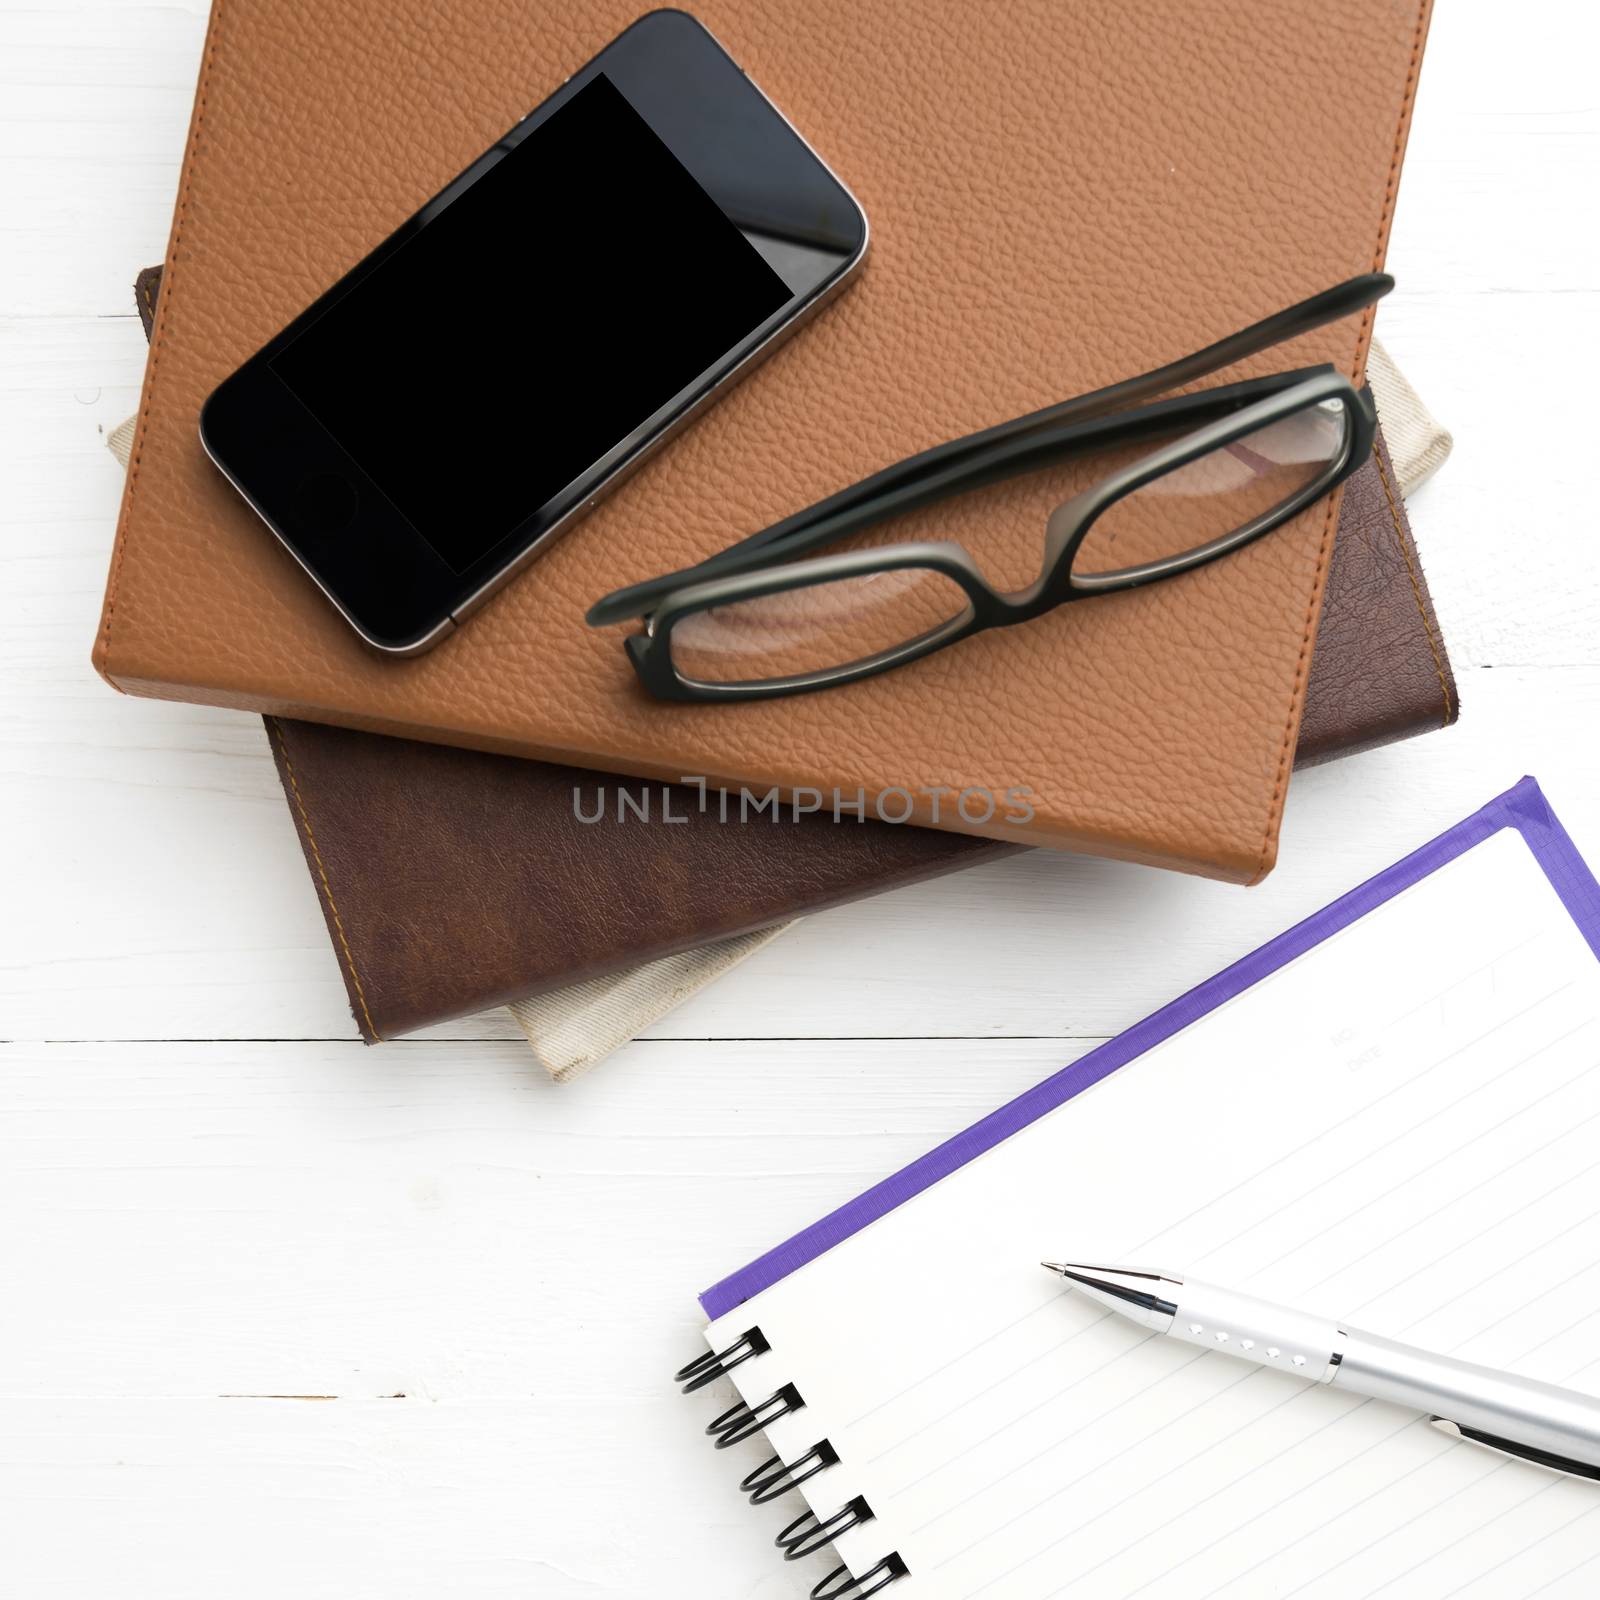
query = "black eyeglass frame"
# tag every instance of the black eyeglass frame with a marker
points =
(765, 563)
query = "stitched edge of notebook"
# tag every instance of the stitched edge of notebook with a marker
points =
(1313, 608)
(275, 733)
(158, 331)
(1297, 695)
(1429, 630)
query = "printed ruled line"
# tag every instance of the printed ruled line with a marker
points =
(1500, 1271)
(1466, 979)
(1355, 1505)
(1562, 1333)
(1052, 1299)
(1205, 1449)
(1455, 1249)
(1564, 1282)
(1438, 1550)
(1344, 1511)
(1411, 1521)
(1044, 1355)
(1496, 1080)
(1090, 1472)
(1588, 1561)
(1467, 1194)
(1354, 1116)
(1517, 1555)
(1267, 1511)
(1035, 1408)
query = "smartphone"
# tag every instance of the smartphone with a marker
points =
(628, 250)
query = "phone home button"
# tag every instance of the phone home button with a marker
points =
(326, 502)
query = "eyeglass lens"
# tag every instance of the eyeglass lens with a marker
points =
(1215, 494)
(816, 629)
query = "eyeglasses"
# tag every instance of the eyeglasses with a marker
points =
(757, 620)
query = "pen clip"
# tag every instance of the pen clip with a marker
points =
(1519, 1452)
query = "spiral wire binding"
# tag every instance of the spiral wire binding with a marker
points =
(807, 1534)
(742, 1421)
(775, 1476)
(839, 1585)
(714, 1364)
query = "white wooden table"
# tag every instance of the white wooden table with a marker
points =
(280, 1314)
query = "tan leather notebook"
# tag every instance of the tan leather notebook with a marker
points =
(1060, 195)
(452, 881)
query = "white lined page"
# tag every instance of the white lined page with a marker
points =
(1400, 1129)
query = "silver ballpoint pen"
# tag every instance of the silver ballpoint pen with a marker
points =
(1536, 1422)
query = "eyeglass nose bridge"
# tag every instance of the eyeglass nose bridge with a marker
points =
(1065, 523)
(1063, 531)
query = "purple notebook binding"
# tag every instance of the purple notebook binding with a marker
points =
(1522, 807)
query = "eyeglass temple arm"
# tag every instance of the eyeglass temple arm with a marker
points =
(893, 482)
(1355, 294)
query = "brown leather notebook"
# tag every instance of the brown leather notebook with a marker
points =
(1062, 193)
(453, 881)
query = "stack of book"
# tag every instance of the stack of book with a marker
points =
(435, 799)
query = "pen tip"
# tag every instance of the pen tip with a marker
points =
(1055, 1267)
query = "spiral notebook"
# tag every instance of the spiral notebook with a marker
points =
(1389, 1112)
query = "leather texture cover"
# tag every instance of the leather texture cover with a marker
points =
(1061, 194)
(452, 881)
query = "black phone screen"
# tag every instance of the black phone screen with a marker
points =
(466, 391)
(539, 318)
